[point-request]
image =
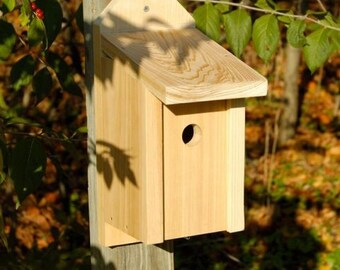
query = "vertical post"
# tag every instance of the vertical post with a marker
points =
(137, 256)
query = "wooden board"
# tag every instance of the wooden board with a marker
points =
(140, 15)
(128, 141)
(194, 175)
(204, 178)
(235, 162)
(185, 66)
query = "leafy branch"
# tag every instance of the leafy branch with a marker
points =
(38, 72)
(318, 39)
(275, 12)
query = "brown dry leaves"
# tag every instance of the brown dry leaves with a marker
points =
(36, 221)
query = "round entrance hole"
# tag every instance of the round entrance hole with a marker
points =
(191, 134)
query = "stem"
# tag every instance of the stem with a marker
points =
(321, 5)
(301, 17)
(266, 154)
(274, 147)
(42, 136)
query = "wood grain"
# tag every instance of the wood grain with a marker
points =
(144, 15)
(235, 161)
(185, 66)
(195, 186)
(129, 157)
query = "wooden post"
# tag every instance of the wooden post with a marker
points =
(137, 256)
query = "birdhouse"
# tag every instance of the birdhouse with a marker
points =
(169, 126)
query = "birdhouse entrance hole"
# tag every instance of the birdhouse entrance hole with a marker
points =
(191, 134)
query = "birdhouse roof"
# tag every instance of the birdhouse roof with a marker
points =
(182, 66)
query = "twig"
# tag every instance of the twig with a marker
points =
(274, 147)
(43, 136)
(266, 153)
(321, 5)
(23, 42)
(301, 17)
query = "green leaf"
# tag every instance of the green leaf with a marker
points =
(286, 19)
(24, 19)
(42, 84)
(333, 259)
(266, 4)
(3, 104)
(64, 74)
(26, 7)
(223, 8)
(25, 13)
(36, 32)
(83, 129)
(295, 33)
(7, 39)
(207, 19)
(22, 72)
(53, 17)
(238, 30)
(335, 38)
(20, 121)
(318, 48)
(27, 166)
(317, 14)
(266, 36)
(9, 5)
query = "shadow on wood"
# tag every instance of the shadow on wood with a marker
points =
(98, 260)
(115, 163)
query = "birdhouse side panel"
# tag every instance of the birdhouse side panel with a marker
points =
(235, 164)
(121, 153)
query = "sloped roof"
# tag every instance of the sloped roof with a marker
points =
(181, 66)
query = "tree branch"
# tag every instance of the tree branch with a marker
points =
(300, 17)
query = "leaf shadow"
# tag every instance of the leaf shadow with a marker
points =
(98, 261)
(113, 162)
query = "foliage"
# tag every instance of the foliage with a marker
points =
(38, 68)
(318, 33)
(33, 141)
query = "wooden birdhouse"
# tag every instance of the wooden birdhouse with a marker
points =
(170, 126)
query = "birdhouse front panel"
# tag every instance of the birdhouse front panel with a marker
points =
(195, 158)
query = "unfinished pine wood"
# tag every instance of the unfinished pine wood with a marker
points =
(195, 183)
(146, 257)
(185, 66)
(235, 160)
(152, 15)
(137, 256)
(97, 223)
(129, 140)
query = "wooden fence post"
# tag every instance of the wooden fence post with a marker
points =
(131, 257)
